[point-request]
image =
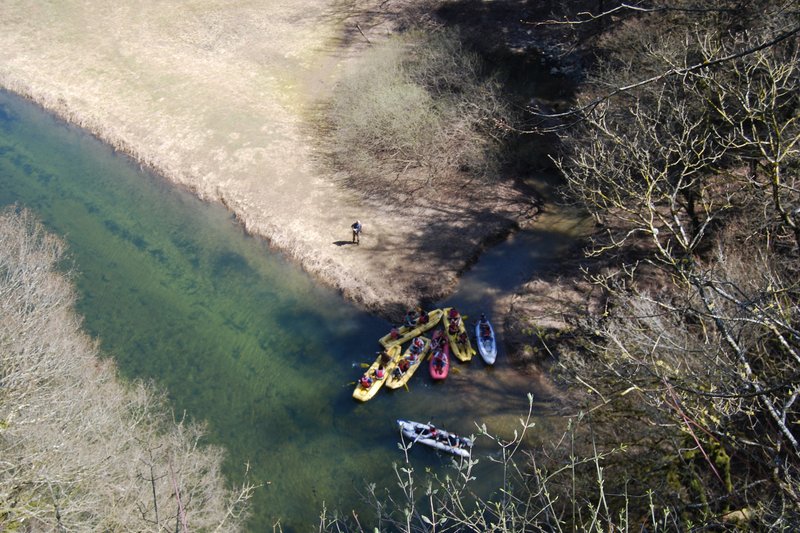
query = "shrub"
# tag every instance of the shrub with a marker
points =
(418, 104)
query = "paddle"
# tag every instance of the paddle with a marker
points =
(419, 436)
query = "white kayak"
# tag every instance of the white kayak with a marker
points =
(434, 437)
(486, 341)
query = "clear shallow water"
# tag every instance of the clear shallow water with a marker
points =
(238, 337)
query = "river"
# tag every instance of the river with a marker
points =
(239, 337)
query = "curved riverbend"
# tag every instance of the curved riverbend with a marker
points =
(239, 337)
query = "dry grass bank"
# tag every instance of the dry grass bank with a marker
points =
(213, 95)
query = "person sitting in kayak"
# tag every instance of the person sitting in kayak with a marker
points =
(416, 345)
(365, 381)
(438, 362)
(453, 314)
(452, 329)
(403, 365)
(380, 372)
(437, 341)
(411, 318)
(423, 316)
(486, 331)
(394, 333)
(462, 338)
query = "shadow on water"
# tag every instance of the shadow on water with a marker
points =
(237, 336)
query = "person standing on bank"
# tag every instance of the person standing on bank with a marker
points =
(356, 227)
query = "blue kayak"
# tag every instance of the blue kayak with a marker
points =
(487, 343)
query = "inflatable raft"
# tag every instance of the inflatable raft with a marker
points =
(434, 437)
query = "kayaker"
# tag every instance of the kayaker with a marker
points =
(365, 381)
(385, 358)
(462, 338)
(394, 333)
(380, 372)
(452, 329)
(403, 365)
(356, 227)
(416, 345)
(485, 330)
(423, 316)
(436, 341)
(411, 318)
(453, 314)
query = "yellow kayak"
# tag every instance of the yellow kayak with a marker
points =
(398, 377)
(406, 333)
(461, 349)
(368, 385)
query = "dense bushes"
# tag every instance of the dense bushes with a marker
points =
(80, 451)
(417, 106)
(694, 178)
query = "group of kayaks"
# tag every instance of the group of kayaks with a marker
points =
(394, 366)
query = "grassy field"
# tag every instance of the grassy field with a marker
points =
(216, 96)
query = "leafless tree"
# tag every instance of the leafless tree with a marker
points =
(79, 449)
(694, 178)
(565, 492)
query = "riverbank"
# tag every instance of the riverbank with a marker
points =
(215, 97)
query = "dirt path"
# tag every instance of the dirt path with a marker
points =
(213, 95)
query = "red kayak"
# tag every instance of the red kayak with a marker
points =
(440, 358)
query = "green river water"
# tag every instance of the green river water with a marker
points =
(237, 336)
